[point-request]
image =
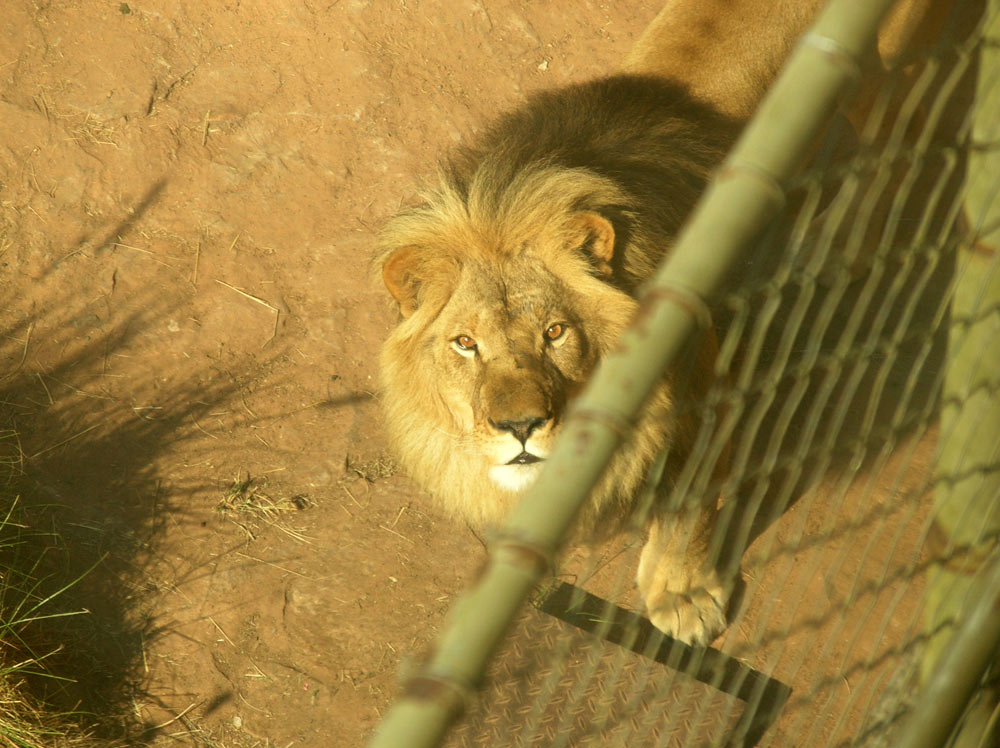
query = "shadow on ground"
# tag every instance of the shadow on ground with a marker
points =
(82, 451)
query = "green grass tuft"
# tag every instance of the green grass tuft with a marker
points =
(25, 722)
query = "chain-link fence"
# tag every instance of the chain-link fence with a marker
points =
(857, 413)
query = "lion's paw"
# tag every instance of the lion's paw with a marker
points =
(694, 617)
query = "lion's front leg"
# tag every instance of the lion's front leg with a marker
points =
(684, 594)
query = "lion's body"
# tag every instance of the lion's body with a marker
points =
(502, 256)
(521, 269)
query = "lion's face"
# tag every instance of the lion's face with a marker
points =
(499, 334)
(511, 346)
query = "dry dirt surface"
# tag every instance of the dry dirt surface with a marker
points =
(189, 330)
(188, 196)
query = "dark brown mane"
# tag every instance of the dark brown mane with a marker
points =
(644, 133)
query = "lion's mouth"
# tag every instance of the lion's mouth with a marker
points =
(525, 458)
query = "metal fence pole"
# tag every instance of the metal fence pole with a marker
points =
(958, 671)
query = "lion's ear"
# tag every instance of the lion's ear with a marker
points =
(597, 239)
(400, 275)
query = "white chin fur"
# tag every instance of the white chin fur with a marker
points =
(515, 478)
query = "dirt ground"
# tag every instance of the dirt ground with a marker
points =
(188, 197)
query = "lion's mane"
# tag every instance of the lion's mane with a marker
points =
(635, 150)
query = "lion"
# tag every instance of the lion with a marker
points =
(515, 277)
(521, 268)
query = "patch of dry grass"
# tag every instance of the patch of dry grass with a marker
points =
(372, 470)
(250, 507)
(25, 722)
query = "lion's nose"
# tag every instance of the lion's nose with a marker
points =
(520, 429)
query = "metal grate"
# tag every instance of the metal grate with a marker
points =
(579, 671)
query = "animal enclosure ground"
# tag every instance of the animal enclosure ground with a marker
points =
(188, 197)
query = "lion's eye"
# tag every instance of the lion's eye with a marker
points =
(554, 332)
(464, 343)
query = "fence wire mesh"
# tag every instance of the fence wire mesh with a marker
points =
(858, 378)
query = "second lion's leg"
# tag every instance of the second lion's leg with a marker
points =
(684, 594)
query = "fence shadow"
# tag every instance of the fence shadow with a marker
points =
(837, 365)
